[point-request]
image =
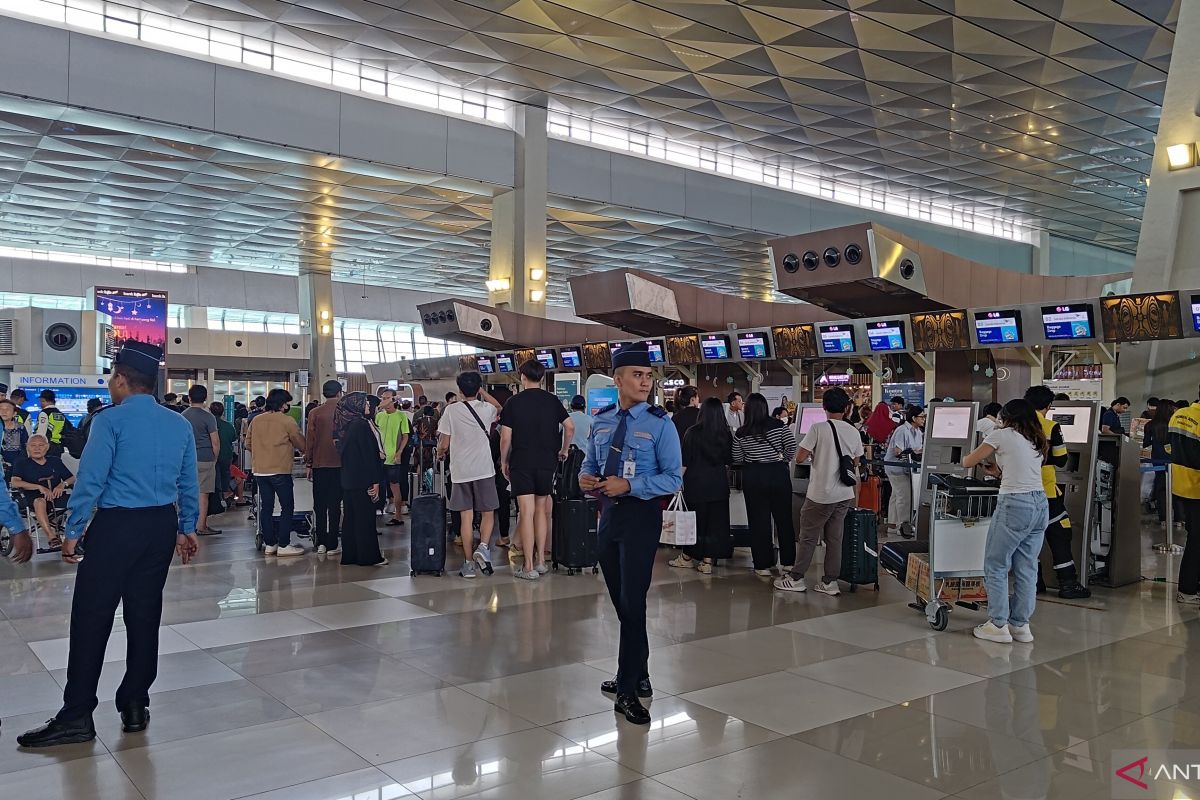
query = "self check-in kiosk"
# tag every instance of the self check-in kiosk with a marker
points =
(949, 435)
(1079, 420)
(807, 415)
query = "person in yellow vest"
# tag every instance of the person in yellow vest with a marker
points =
(1058, 531)
(1184, 447)
(51, 423)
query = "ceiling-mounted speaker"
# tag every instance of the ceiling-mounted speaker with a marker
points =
(907, 269)
(832, 256)
(811, 260)
(791, 263)
(853, 253)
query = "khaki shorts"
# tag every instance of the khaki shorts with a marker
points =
(206, 471)
(477, 495)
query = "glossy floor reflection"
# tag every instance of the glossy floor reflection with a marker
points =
(301, 679)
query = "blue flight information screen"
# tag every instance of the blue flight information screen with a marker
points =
(504, 362)
(714, 347)
(754, 345)
(72, 402)
(570, 358)
(486, 365)
(998, 327)
(837, 339)
(886, 335)
(1196, 312)
(1072, 321)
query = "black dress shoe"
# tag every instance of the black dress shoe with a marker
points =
(632, 708)
(135, 719)
(1074, 591)
(56, 732)
(644, 689)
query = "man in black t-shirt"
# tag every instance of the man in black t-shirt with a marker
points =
(531, 446)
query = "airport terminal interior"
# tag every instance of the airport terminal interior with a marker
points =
(913, 215)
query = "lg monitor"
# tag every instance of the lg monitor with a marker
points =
(1069, 321)
(809, 416)
(504, 363)
(998, 327)
(714, 347)
(653, 346)
(1075, 421)
(837, 339)
(754, 345)
(570, 358)
(487, 365)
(886, 336)
(547, 358)
(952, 422)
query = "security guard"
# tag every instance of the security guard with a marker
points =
(51, 422)
(633, 461)
(18, 397)
(138, 474)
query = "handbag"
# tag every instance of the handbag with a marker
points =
(847, 472)
(679, 524)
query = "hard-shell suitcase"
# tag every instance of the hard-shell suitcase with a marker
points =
(893, 556)
(427, 531)
(566, 480)
(860, 549)
(870, 494)
(574, 542)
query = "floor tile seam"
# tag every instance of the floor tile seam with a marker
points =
(870, 767)
(963, 670)
(327, 777)
(128, 777)
(792, 671)
(303, 714)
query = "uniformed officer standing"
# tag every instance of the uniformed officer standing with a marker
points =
(633, 461)
(138, 473)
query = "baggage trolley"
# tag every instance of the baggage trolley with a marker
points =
(957, 540)
(302, 511)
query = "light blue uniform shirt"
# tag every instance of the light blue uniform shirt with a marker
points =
(138, 455)
(583, 429)
(10, 515)
(906, 437)
(651, 443)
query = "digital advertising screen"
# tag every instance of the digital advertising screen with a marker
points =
(754, 345)
(138, 315)
(487, 365)
(1071, 321)
(653, 346)
(714, 346)
(570, 358)
(837, 339)
(886, 336)
(504, 363)
(998, 327)
(1196, 312)
(547, 358)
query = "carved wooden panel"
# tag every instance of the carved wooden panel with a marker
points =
(795, 341)
(468, 364)
(1141, 317)
(522, 355)
(940, 330)
(683, 350)
(596, 355)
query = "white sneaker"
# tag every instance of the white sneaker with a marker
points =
(270, 550)
(1020, 633)
(542, 569)
(764, 573)
(531, 575)
(321, 550)
(789, 584)
(334, 551)
(991, 633)
(1187, 599)
(291, 550)
(830, 588)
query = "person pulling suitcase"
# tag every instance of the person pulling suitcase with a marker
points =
(633, 461)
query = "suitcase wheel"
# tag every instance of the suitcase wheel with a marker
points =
(570, 571)
(258, 542)
(854, 587)
(412, 573)
(595, 570)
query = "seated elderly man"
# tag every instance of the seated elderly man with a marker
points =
(42, 479)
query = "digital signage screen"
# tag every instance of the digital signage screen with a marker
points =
(754, 345)
(1196, 312)
(547, 358)
(570, 358)
(714, 346)
(886, 336)
(1069, 321)
(836, 339)
(138, 315)
(653, 346)
(998, 327)
(504, 363)
(487, 365)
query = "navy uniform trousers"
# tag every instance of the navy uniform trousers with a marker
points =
(129, 551)
(628, 538)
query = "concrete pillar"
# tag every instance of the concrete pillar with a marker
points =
(1170, 232)
(517, 272)
(195, 317)
(1041, 253)
(316, 301)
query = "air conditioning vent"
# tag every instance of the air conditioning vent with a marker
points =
(108, 346)
(8, 338)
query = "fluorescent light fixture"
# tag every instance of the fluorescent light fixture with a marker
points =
(324, 330)
(536, 295)
(324, 313)
(497, 285)
(536, 274)
(1181, 156)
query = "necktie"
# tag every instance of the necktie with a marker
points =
(613, 461)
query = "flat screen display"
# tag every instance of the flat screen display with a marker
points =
(837, 339)
(886, 335)
(137, 315)
(654, 346)
(714, 346)
(998, 327)
(487, 365)
(570, 358)
(1071, 321)
(1076, 422)
(754, 345)
(952, 422)
(504, 363)
(1196, 312)
(809, 416)
(547, 358)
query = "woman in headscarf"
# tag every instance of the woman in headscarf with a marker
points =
(363, 477)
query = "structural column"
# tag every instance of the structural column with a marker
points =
(517, 273)
(316, 306)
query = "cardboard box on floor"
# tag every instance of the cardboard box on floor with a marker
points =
(917, 580)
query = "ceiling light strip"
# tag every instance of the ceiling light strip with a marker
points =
(26, 254)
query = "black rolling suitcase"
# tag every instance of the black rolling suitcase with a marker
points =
(566, 480)
(893, 557)
(860, 549)
(574, 543)
(428, 524)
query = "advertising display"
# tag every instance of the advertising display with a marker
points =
(998, 327)
(137, 315)
(1070, 321)
(714, 346)
(836, 339)
(754, 345)
(886, 336)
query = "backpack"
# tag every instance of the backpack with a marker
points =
(72, 438)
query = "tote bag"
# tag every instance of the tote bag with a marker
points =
(679, 524)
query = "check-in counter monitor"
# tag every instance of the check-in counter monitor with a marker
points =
(1079, 420)
(754, 345)
(837, 340)
(949, 435)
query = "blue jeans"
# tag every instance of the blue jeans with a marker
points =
(1013, 543)
(270, 487)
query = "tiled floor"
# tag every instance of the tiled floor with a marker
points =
(305, 680)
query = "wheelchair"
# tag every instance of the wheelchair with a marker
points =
(56, 512)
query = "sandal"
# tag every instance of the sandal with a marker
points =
(705, 568)
(54, 543)
(683, 562)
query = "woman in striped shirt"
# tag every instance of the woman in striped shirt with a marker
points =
(764, 447)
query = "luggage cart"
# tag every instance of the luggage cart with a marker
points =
(959, 523)
(302, 512)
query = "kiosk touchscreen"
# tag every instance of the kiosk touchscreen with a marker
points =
(949, 435)
(807, 415)
(1075, 421)
(1079, 422)
(1069, 321)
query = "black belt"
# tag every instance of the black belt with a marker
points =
(127, 509)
